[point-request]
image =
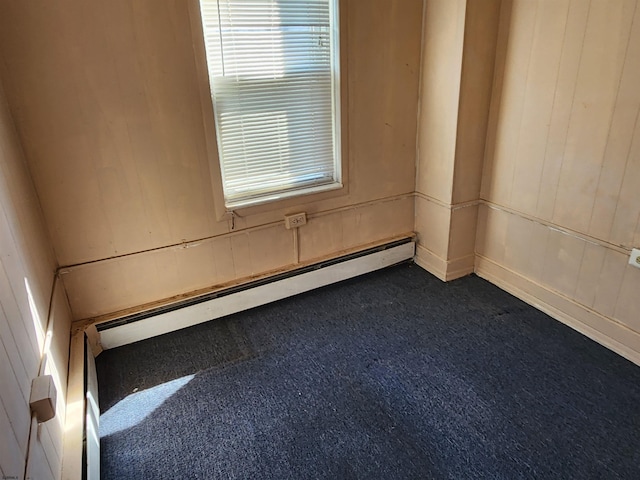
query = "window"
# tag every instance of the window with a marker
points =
(273, 71)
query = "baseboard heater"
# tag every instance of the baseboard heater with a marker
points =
(218, 304)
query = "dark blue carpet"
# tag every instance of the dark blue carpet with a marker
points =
(388, 376)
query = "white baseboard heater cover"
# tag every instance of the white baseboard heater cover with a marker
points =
(236, 299)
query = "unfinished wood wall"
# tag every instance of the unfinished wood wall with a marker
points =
(106, 98)
(27, 267)
(561, 182)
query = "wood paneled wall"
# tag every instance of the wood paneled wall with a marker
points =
(106, 99)
(459, 43)
(561, 182)
(27, 267)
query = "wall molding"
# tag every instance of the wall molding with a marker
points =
(567, 231)
(604, 330)
(66, 269)
(449, 206)
(445, 270)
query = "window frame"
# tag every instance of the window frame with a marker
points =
(297, 197)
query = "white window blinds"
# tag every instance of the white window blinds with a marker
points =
(273, 70)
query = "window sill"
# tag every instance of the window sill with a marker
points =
(277, 196)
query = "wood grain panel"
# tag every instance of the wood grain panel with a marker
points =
(562, 173)
(540, 85)
(513, 91)
(625, 229)
(622, 146)
(27, 266)
(562, 103)
(440, 96)
(477, 74)
(605, 45)
(627, 302)
(433, 223)
(462, 231)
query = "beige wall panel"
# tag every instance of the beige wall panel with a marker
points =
(519, 243)
(116, 137)
(19, 327)
(112, 285)
(462, 232)
(562, 262)
(578, 14)
(321, 236)
(513, 241)
(223, 260)
(495, 107)
(550, 23)
(105, 287)
(627, 310)
(562, 160)
(270, 248)
(27, 267)
(605, 42)
(19, 350)
(57, 363)
(480, 36)
(114, 92)
(24, 235)
(11, 456)
(625, 229)
(588, 278)
(39, 468)
(433, 223)
(329, 233)
(610, 282)
(513, 89)
(623, 134)
(439, 96)
(15, 363)
(14, 399)
(493, 234)
(536, 248)
(481, 229)
(44, 452)
(384, 54)
(372, 223)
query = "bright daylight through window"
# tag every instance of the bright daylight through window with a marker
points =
(273, 71)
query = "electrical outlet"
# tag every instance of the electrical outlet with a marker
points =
(634, 259)
(295, 220)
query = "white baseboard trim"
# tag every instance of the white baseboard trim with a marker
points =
(604, 330)
(169, 321)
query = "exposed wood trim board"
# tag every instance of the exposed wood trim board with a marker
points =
(82, 324)
(253, 297)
